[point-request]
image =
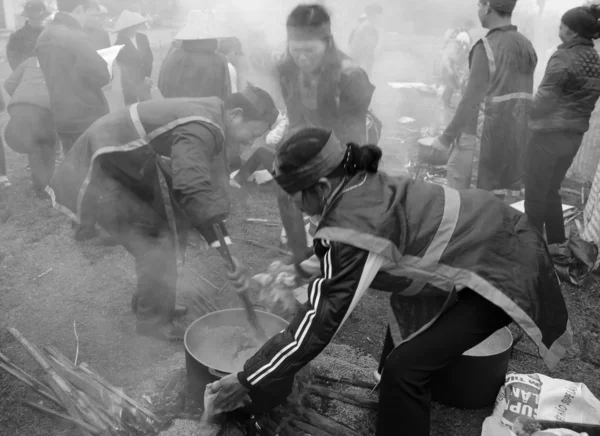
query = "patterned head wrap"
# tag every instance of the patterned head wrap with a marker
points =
(324, 163)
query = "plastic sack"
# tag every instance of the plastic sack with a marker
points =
(574, 260)
(537, 397)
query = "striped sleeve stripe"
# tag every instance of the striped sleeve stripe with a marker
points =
(305, 325)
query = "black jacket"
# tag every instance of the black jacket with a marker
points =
(135, 63)
(570, 89)
(194, 70)
(21, 45)
(75, 74)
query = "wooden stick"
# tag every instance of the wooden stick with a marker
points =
(353, 382)
(325, 424)
(198, 276)
(58, 385)
(308, 428)
(345, 398)
(24, 378)
(28, 379)
(261, 245)
(84, 367)
(85, 426)
(43, 274)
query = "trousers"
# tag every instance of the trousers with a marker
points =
(135, 92)
(134, 216)
(459, 170)
(30, 130)
(549, 156)
(405, 392)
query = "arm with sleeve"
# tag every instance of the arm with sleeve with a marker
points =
(356, 92)
(317, 321)
(465, 118)
(90, 65)
(556, 75)
(192, 152)
(12, 83)
(14, 50)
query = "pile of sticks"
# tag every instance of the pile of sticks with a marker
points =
(81, 396)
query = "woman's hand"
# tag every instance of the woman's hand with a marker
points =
(240, 278)
(224, 395)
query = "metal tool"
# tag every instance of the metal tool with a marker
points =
(250, 313)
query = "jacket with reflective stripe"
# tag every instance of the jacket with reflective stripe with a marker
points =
(428, 234)
(512, 61)
(142, 135)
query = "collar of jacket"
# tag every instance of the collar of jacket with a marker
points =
(66, 20)
(507, 28)
(579, 40)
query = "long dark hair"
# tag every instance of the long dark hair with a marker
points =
(312, 15)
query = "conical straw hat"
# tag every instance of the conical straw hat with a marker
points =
(203, 25)
(129, 19)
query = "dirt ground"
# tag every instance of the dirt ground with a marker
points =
(49, 284)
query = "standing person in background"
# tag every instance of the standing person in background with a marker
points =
(21, 44)
(135, 59)
(321, 87)
(195, 69)
(365, 38)
(560, 117)
(4, 182)
(30, 129)
(95, 28)
(231, 48)
(75, 74)
(74, 71)
(455, 62)
(502, 66)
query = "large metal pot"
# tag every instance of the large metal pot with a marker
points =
(474, 380)
(202, 366)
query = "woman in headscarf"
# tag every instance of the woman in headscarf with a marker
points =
(560, 117)
(30, 129)
(321, 87)
(135, 59)
(465, 257)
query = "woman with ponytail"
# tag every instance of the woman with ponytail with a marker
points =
(465, 258)
(560, 117)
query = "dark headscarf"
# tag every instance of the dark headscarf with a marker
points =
(505, 6)
(583, 21)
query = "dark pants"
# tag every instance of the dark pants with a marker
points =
(2, 159)
(262, 157)
(30, 130)
(405, 393)
(549, 157)
(131, 214)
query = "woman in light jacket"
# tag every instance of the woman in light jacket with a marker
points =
(31, 129)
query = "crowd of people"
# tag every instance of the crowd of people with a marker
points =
(153, 171)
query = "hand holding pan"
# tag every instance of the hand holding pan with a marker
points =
(252, 319)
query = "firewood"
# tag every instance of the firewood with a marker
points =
(330, 426)
(58, 385)
(353, 382)
(106, 399)
(92, 430)
(308, 429)
(261, 245)
(27, 379)
(345, 398)
(85, 368)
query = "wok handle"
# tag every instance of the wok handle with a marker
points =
(224, 249)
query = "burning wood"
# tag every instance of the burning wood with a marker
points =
(91, 403)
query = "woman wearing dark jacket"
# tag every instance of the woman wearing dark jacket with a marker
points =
(135, 59)
(465, 258)
(193, 68)
(321, 87)
(30, 129)
(560, 117)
